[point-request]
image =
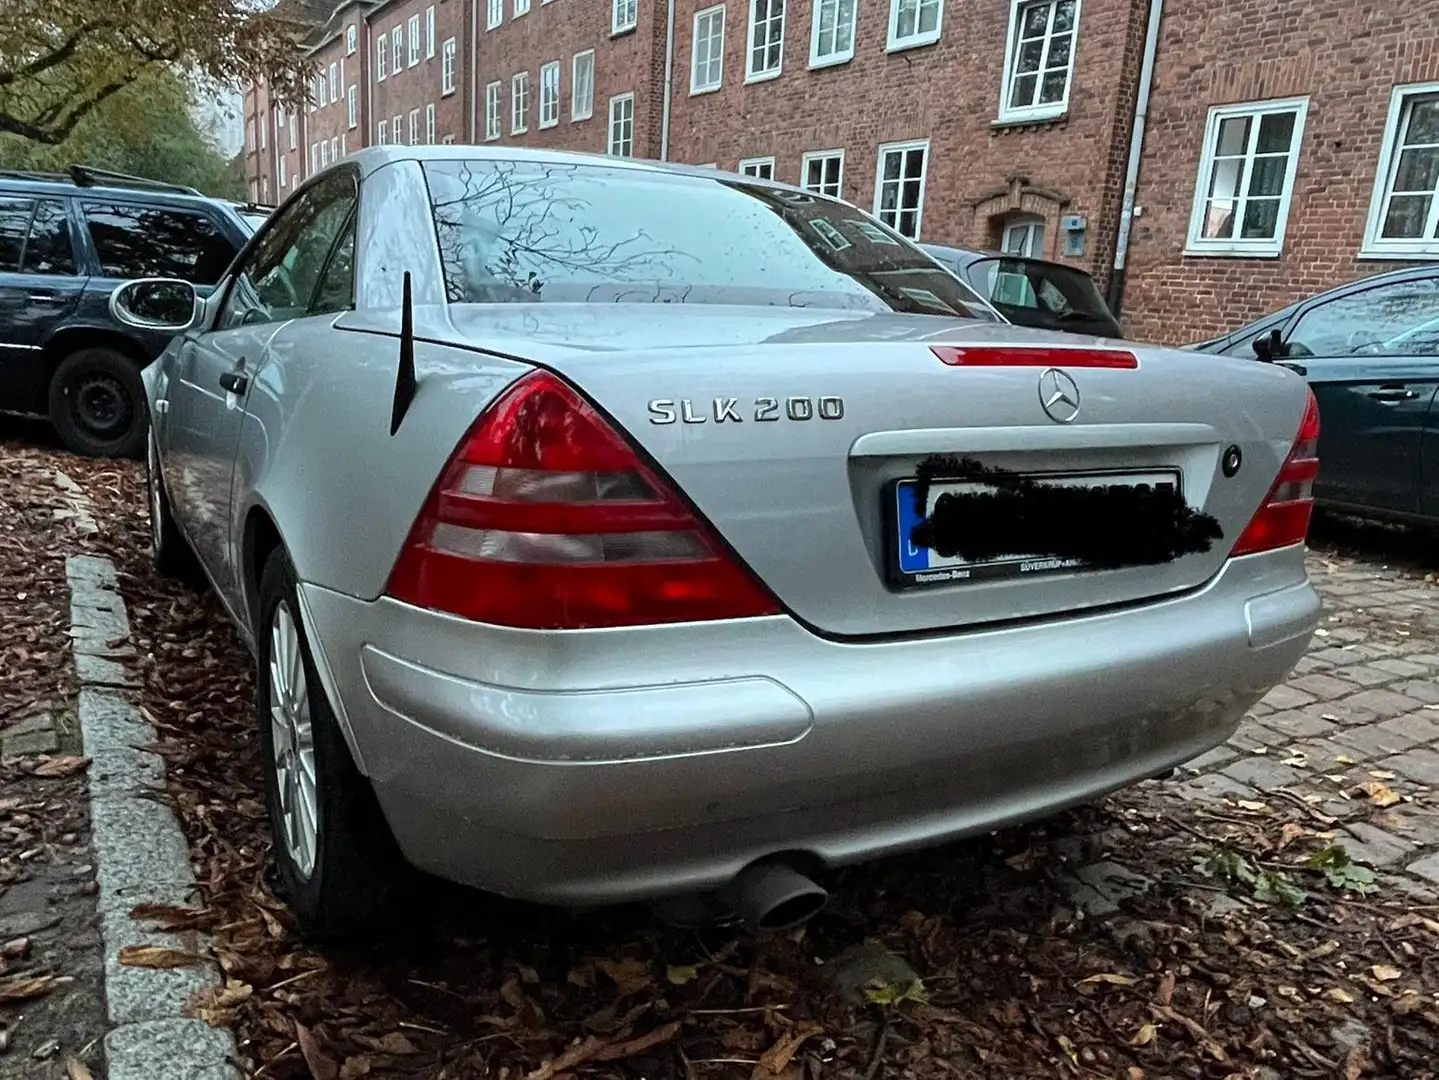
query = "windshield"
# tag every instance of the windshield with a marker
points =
(1050, 289)
(521, 232)
(254, 219)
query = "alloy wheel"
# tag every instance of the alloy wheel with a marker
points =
(292, 739)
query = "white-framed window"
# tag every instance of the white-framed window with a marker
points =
(494, 13)
(707, 50)
(319, 94)
(264, 127)
(382, 132)
(765, 55)
(415, 42)
(282, 171)
(1404, 209)
(522, 7)
(414, 127)
(397, 48)
(334, 81)
(622, 126)
(395, 131)
(823, 172)
(430, 124)
(294, 131)
(624, 15)
(351, 36)
(762, 167)
(430, 32)
(550, 94)
(1023, 236)
(382, 57)
(492, 109)
(264, 197)
(314, 158)
(519, 102)
(447, 67)
(899, 185)
(1038, 59)
(1246, 177)
(914, 22)
(324, 153)
(334, 148)
(582, 85)
(831, 32)
(352, 106)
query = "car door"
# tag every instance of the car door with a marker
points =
(275, 282)
(40, 286)
(1370, 356)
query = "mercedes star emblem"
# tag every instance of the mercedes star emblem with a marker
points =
(1059, 396)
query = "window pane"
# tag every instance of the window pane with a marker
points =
(14, 224)
(1064, 17)
(1276, 130)
(1218, 221)
(905, 23)
(1423, 122)
(1406, 217)
(1224, 181)
(1418, 170)
(1266, 175)
(1036, 19)
(1261, 218)
(1233, 136)
(136, 241)
(844, 30)
(928, 16)
(1052, 89)
(1030, 54)
(1399, 319)
(1023, 93)
(50, 250)
(1059, 51)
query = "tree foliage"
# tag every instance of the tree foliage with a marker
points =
(60, 60)
(145, 129)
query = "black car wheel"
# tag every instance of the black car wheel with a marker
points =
(338, 862)
(97, 404)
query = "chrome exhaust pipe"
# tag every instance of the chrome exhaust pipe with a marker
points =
(770, 897)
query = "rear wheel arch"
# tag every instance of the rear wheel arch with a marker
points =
(259, 539)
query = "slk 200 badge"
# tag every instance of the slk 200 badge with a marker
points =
(728, 410)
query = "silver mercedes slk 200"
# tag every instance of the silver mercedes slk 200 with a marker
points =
(607, 530)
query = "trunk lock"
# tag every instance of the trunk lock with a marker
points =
(1233, 458)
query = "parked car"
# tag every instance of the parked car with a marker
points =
(66, 241)
(1033, 292)
(590, 553)
(1370, 351)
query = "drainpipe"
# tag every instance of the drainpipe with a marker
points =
(474, 72)
(669, 78)
(1136, 150)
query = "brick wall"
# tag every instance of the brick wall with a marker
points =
(1345, 59)
(414, 87)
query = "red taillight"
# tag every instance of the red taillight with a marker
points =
(545, 518)
(1018, 356)
(1283, 519)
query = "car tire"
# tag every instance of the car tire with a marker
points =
(97, 404)
(169, 550)
(343, 875)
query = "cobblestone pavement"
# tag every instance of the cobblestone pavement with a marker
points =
(1354, 733)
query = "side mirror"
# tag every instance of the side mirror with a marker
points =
(164, 304)
(1270, 347)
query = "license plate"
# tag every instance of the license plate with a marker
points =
(913, 566)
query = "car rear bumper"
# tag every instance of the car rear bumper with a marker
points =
(597, 766)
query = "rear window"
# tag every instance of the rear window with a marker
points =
(35, 237)
(148, 241)
(1046, 288)
(521, 232)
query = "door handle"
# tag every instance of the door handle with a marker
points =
(234, 382)
(46, 298)
(1393, 395)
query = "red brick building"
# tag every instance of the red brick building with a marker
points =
(1284, 148)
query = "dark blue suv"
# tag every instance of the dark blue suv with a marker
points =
(66, 241)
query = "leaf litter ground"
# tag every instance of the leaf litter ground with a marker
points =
(1193, 977)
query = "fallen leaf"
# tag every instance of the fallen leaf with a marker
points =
(1379, 794)
(1250, 804)
(322, 1066)
(1381, 774)
(774, 1060)
(1338, 996)
(395, 1042)
(354, 1068)
(1195, 1029)
(1165, 994)
(166, 917)
(593, 1049)
(32, 986)
(154, 956)
(1385, 972)
(60, 765)
(213, 1004)
(1109, 977)
(78, 1070)
(679, 974)
(1144, 1036)
(1344, 759)
(1067, 1045)
(1290, 833)
(630, 976)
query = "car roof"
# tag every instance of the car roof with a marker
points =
(967, 257)
(80, 180)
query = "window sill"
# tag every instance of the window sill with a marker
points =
(448, 93)
(549, 124)
(1380, 254)
(905, 44)
(763, 76)
(1191, 252)
(519, 131)
(581, 119)
(703, 90)
(1035, 119)
(621, 31)
(818, 63)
